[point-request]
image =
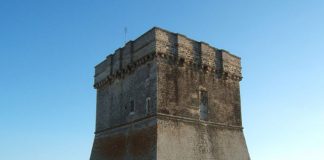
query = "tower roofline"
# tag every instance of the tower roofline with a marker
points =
(161, 41)
(153, 30)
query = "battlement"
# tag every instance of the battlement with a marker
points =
(198, 54)
(166, 44)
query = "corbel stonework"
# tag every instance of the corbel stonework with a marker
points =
(121, 73)
(206, 68)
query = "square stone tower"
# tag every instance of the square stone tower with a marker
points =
(164, 96)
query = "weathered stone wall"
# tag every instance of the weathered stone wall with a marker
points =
(185, 139)
(186, 67)
(179, 88)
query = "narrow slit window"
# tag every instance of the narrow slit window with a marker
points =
(132, 106)
(148, 105)
(181, 62)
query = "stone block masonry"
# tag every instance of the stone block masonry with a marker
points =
(165, 96)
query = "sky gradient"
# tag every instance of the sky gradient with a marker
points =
(48, 50)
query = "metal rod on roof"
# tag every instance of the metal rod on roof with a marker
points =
(125, 31)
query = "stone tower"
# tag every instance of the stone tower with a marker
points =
(164, 96)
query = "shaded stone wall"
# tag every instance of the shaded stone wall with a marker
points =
(113, 101)
(124, 78)
(127, 75)
(134, 141)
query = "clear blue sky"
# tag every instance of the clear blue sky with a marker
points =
(48, 50)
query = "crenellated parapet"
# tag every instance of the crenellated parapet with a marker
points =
(200, 55)
(172, 46)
